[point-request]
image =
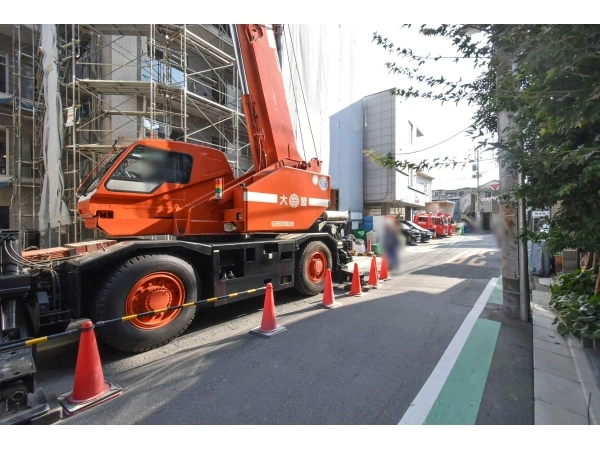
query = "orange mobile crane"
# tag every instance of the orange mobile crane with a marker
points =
(231, 235)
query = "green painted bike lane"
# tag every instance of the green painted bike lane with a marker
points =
(496, 296)
(460, 398)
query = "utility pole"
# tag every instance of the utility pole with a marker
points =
(523, 257)
(511, 294)
(477, 175)
(478, 204)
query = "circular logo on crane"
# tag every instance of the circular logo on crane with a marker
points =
(323, 183)
(294, 201)
(315, 180)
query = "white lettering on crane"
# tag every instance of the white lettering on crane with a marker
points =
(294, 201)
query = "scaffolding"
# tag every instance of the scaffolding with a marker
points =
(23, 160)
(119, 84)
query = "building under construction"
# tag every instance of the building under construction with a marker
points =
(69, 94)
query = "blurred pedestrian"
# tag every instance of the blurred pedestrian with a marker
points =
(391, 246)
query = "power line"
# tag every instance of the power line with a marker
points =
(460, 179)
(303, 97)
(458, 162)
(294, 90)
(439, 143)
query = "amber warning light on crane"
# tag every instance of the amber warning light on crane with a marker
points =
(219, 188)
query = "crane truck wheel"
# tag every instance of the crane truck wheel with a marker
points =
(146, 283)
(311, 266)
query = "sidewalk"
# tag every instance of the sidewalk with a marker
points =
(565, 389)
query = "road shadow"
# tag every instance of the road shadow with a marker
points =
(362, 363)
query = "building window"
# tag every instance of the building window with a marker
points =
(2, 158)
(27, 80)
(461, 193)
(3, 73)
(159, 69)
(410, 132)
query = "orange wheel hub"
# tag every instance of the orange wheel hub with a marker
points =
(155, 291)
(317, 266)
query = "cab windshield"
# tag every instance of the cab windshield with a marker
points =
(93, 179)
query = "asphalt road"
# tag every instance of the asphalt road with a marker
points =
(362, 363)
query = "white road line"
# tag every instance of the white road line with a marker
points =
(419, 409)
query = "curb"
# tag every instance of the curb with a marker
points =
(585, 376)
(591, 395)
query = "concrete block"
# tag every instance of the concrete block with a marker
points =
(585, 372)
(560, 392)
(560, 348)
(573, 341)
(558, 365)
(578, 353)
(545, 334)
(547, 414)
(546, 310)
(544, 322)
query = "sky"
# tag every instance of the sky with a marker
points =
(385, 16)
(437, 122)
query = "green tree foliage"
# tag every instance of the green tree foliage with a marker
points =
(554, 98)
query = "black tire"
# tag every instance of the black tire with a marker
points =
(303, 283)
(112, 297)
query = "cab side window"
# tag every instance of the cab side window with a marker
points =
(145, 170)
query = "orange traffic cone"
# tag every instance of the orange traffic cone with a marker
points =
(89, 387)
(268, 326)
(384, 270)
(373, 278)
(356, 290)
(328, 298)
(369, 250)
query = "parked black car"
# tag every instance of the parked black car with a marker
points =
(425, 234)
(412, 236)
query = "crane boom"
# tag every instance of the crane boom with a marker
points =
(265, 105)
